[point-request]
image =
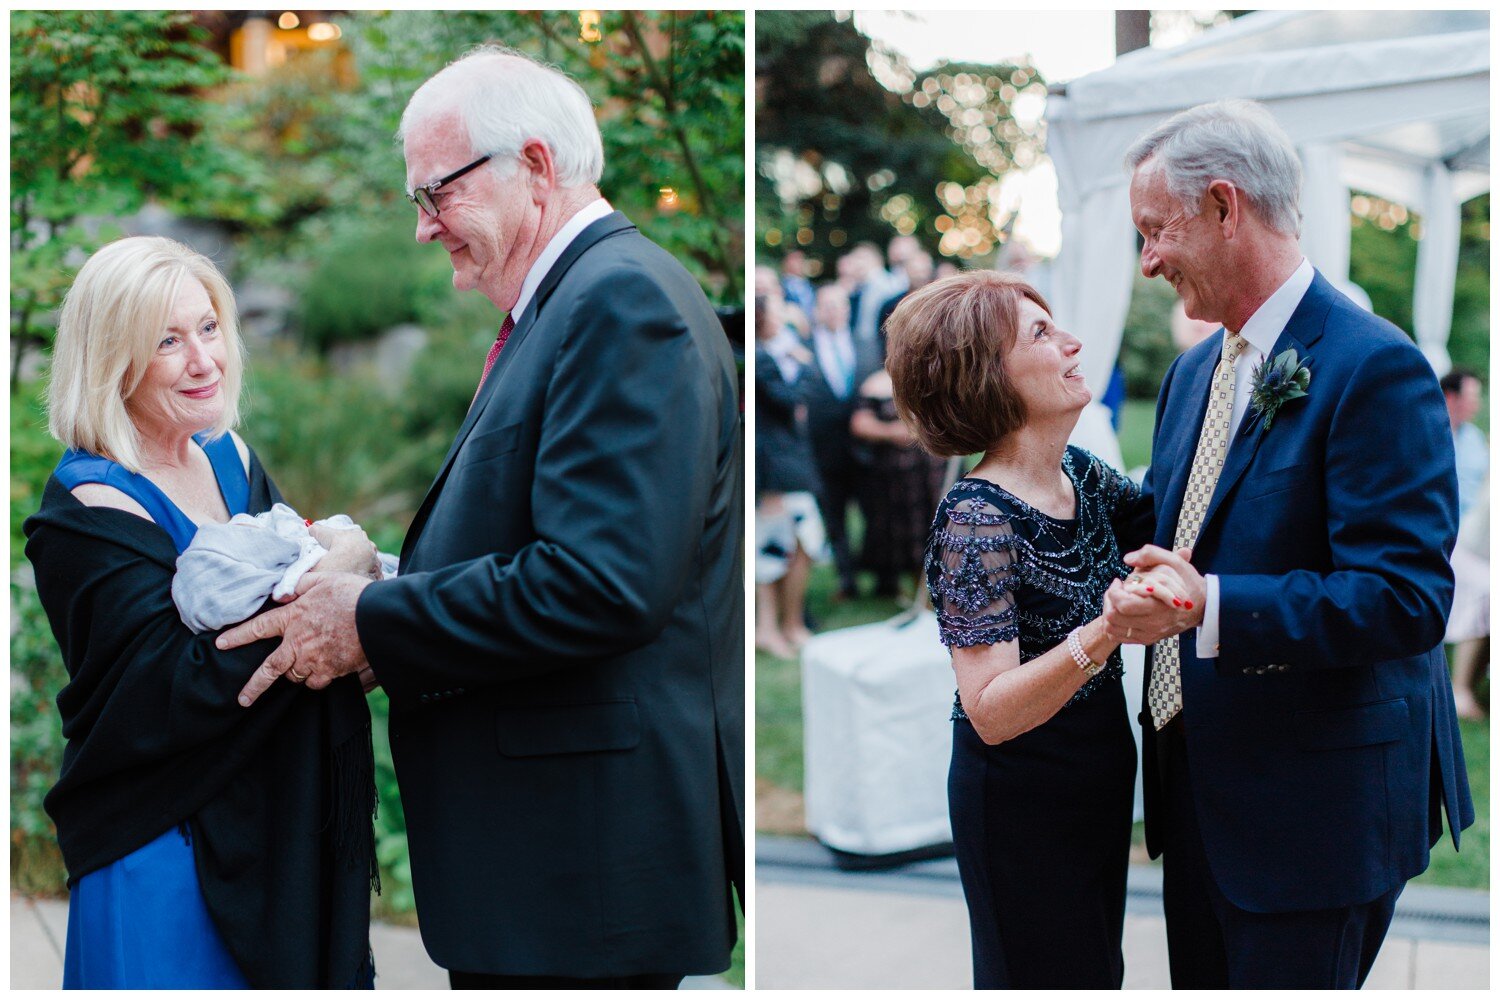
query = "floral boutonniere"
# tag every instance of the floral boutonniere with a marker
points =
(1277, 381)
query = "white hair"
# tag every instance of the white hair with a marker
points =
(1233, 140)
(503, 98)
(107, 332)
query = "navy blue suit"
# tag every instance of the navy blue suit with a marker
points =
(1322, 742)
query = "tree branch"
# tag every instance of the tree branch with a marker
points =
(705, 196)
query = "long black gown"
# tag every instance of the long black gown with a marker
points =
(1041, 822)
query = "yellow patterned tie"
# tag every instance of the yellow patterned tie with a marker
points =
(1165, 692)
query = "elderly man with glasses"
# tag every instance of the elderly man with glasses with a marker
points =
(564, 647)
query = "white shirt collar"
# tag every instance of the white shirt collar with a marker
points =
(586, 216)
(1266, 323)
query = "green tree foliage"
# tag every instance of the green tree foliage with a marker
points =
(106, 111)
(853, 145)
(1384, 263)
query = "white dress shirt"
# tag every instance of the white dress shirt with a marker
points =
(1261, 332)
(586, 216)
(834, 350)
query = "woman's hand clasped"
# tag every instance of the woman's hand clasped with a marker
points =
(1163, 596)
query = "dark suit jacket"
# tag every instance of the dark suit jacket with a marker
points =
(828, 420)
(1319, 785)
(783, 455)
(564, 650)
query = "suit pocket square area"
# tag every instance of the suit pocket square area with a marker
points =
(1358, 726)
(543, 730)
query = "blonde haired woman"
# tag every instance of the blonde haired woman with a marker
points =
(206, 845)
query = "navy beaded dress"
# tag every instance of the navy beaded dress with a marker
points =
(1041, 822)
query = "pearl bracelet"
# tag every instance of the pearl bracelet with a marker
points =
(1075, 647)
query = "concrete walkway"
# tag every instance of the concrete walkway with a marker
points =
(38, 928)
(817, 926)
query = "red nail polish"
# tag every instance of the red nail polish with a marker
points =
(307, 521)
(1188, 605)
(1176, 603)
(1150, 590)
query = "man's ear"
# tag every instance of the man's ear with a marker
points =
(536, 157)
(1223, 200)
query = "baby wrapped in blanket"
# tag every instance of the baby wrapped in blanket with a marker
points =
(229, 570)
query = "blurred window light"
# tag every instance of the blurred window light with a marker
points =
(588, 26)
(288, 20)
(323, 31)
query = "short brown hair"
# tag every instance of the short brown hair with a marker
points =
(946, 345)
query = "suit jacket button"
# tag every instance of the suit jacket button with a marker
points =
(1144, 718)
(426, 698)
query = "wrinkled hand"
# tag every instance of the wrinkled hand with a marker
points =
(349, 551)
(319, 641)
(1164, 597)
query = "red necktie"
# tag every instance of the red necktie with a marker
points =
(489, 359)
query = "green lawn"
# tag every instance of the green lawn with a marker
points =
(778, 699)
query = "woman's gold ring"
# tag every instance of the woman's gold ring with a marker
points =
(298, 678)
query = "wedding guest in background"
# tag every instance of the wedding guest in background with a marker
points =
(789, 532)
(899, 486)
(830, 404)
(768, 285)
(918, 270)
(1464, 395)
(1469, 622)
(795, 288)
(901, 248)
(875, 286)
(1468, 625)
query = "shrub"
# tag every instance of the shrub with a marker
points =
(367, 275)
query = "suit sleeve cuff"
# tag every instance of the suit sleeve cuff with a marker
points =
(1208, 632)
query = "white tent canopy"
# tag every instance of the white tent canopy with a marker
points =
(1395, 103)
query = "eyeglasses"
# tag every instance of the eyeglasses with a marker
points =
(422, 196)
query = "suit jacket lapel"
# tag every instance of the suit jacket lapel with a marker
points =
(1300, 333)
(608, 226)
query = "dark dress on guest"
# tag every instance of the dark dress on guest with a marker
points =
(898, 486)
(1041, 822)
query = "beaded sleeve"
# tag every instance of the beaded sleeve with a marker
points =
(976, 555)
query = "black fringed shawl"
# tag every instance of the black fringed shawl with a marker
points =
(279, 797)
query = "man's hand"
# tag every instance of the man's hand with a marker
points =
(319, 641)
(1163, 597)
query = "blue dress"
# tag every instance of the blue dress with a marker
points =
(141, 922)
